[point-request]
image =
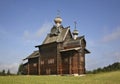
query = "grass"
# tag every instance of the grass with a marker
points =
(102, 78)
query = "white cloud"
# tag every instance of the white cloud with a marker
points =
(117, 56)
(12, 67)
(42, 31)
(115, 35)
(102, 59)
(104, 51)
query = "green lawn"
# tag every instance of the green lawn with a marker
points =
(102, 78)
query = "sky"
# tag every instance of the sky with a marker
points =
(25, 24)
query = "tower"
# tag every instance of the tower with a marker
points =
(75, 32)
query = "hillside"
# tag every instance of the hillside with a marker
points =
(102, 78)
(113, 67)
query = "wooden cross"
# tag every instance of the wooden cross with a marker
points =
(58, 12)
(75, 24)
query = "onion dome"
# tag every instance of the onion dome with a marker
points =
(75, 32)
(58, 21)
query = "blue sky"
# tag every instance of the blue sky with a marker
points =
(25, 23)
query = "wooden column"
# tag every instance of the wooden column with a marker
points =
(70, 72)
(58, 64)
(79, 53)
(39, 62)
(81, 62)
(58, 60)
(38, 65)
(84, 62)
(28, 69)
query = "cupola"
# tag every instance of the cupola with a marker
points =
(75, 33)
(58, 21)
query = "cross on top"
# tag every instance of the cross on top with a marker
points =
(75, 24)
(58, 12)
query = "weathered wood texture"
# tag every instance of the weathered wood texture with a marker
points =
(48, 60)
(33, 66)
(60, 54)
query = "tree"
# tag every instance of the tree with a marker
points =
(113, 67)
(3, 72)
(8, 72)
(20, 69)
(0, 73)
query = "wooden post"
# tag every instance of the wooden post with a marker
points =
(79, 62)
(84, 62)
(69, 64)
(38, 65)
(58, 60)
(28, 69)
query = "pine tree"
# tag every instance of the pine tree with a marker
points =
(8, 72)
(3, 72)
(20, 69)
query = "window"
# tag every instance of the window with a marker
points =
(35, 64)
(48, 71)
(50, 61)
(42, 62)
(66, 59)
(82, 59)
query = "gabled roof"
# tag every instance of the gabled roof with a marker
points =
(58, 38)
(64, 50)
(33, 55)
(76, 48)
(73, 43)
(87, 51)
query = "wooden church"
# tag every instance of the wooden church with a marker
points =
(62, 52)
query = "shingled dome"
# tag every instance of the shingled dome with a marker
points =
(58, 20)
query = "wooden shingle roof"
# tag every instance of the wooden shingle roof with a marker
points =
(75, 45)
(33, 55)
(58, 38)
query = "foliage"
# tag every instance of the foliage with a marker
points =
(103, 78)
(113, 67)
(3, 73)
(8, 72)
(20, 69)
